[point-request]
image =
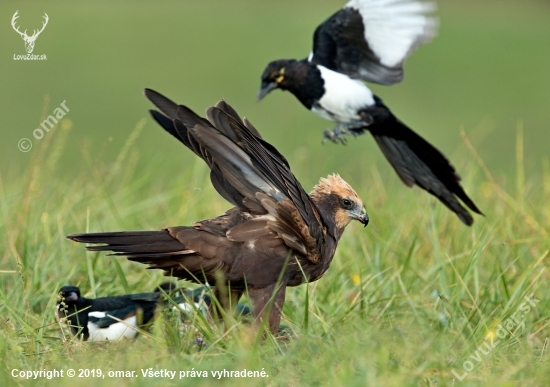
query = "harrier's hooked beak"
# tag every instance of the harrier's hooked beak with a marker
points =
(363, 217)
(265, 89)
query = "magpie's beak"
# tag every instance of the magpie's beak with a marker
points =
(363, 217)
(265, 89)
(72, 296)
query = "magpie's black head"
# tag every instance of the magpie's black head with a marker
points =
(69, 295)
(282, 74)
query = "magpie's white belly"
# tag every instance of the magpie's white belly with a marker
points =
(117, 331)
(343, 97)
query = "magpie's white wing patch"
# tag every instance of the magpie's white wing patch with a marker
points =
(370, 39)
(393, 28)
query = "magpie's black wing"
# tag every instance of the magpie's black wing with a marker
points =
(370, 39)
(109, 317)
(142, 305)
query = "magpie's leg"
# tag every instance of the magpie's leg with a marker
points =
(337, 134)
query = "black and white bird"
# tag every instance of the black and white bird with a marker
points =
(369, 40)
(118, 317)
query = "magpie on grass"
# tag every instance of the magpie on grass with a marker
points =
(369, 40)
(118, 317)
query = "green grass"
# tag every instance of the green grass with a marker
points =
(406, 301)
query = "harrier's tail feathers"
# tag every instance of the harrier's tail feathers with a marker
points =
(132, 243)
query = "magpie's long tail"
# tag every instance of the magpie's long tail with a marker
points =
(418, 162)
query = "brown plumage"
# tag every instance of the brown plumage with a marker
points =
(275, 233)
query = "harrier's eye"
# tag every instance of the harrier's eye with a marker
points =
(347, 203)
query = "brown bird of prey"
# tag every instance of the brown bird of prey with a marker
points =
(276, 235)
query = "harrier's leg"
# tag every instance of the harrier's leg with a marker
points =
(267, 305)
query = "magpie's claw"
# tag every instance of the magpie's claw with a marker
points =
(335, 136)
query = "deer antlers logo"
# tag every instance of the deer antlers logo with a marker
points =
(29, 40)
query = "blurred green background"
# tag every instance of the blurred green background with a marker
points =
(487, 72)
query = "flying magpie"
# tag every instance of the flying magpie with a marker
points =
(369, 40)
